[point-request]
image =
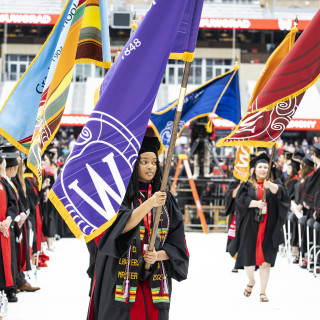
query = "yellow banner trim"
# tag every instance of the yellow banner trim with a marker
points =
(71, 223)
(184, 56)
(102, 64)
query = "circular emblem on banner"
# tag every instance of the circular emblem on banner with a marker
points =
(96, 175)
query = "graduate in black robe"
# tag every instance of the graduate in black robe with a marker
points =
(312, 183)
(307, 170)
(256, 242)
(292, 177)
(230, 204)
(122, 289)
(8, 213)
(13, 163)
(291, 182)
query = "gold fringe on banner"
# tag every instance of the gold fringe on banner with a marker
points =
(71, 223)
(185, 56)
(102, 64)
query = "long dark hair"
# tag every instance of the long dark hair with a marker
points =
(293, 174)
(305, 170)
(132, 193)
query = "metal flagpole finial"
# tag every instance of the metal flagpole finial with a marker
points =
(134, 19)
(117, 55)
(236, 61)
(295, 22)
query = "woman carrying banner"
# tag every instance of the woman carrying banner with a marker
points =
(258, 236)
(123, 290)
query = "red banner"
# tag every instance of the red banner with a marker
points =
(274, 107)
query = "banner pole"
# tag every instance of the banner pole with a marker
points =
(173, 140)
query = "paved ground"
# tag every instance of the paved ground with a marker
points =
(211, 291)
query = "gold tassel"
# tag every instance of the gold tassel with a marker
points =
(208, 126)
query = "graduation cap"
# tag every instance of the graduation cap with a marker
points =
(262, 158)
(316, 149)
(294, 164)
(11, 159)
(261, 149)
(308, 160)
(150, 144)
(298, 155)
(288, 155)
(8, 147)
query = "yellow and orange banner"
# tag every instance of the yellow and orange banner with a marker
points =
(242, 161)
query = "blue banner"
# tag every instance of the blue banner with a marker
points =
(93, 182)
(18, 116)
(220, 95)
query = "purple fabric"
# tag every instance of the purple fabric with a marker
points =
(96, 174)
(186, 38)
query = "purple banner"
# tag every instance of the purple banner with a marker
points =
(90, 188)
(187, 34)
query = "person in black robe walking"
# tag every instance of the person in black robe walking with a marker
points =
(230, 203)
(122, 289)
(258, 236)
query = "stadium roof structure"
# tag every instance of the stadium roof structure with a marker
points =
(32, 6)
(215, 10)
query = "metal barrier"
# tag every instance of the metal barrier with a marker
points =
(190, 212)
(212, 193)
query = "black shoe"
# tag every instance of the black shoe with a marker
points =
(295, 260)
(11, 295)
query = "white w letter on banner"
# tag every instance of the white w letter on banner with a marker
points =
(103, 189)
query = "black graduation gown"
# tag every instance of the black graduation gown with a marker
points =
(279, 174)
(311, 186)
(293, 186)
(12, 211)
(230, 204)
(50, 213)
(114, 245)
(24, 206)
(247, 228)
(33, 201)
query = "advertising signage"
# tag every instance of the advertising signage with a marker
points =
(205, 23)
(28, 18)
(253, 24)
